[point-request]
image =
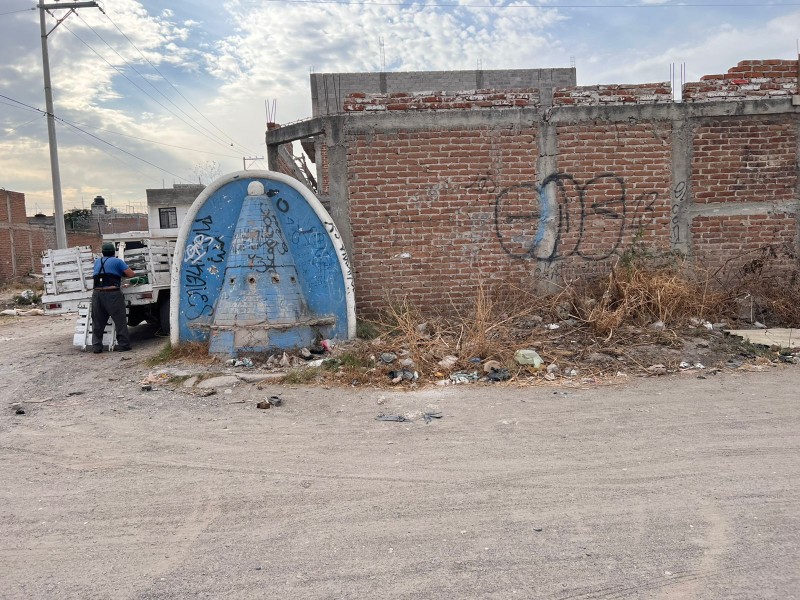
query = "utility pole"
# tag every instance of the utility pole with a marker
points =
(58, 205)
(251, 159)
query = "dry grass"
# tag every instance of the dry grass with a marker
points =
(194, 352)
(638, 294)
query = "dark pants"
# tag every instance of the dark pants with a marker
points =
(104, 305)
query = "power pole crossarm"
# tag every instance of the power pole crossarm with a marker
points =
(58, 205)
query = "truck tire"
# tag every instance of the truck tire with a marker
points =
(163, 316)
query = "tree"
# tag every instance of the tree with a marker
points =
(78, 218)
(206, 172)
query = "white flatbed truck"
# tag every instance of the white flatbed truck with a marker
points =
(68, 281)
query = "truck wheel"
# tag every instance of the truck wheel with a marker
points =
(163, 316)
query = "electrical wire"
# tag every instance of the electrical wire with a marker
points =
(14, 12)
(170, 83)
(99, 139)
(209, 134)
(137, 86)
(539, 5)
(91, 135)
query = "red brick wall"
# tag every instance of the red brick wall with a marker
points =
(473, 99)
(17, 201)
(422, 211)
(750, 79)
(646, 93)
(727, 244)
(752, 159)
(614, 190)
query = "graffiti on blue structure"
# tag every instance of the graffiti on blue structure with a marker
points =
(261, 267)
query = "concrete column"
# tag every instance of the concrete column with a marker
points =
(339, 193)
(681, 200)
(546, 165)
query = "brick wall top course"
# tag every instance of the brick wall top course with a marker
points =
(647, 93)
(458, 100)
(750, 79)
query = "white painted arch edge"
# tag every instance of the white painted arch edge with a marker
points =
(314, 203)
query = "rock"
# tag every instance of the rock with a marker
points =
(190, 382)
(219, 382)
(553, 369)
(564, 310)
(257, 377)
(597, 357)
(406, 362)
(658, 369)
(702, 344)
(388, 357)
(658, 326)
(491, 365)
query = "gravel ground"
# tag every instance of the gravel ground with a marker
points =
(669, 487)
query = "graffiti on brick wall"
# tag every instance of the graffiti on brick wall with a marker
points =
(562, 217)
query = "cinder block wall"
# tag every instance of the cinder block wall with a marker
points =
(440, 200)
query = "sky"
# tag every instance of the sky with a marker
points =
(148, 93)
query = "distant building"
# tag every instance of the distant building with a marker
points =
(166, 208)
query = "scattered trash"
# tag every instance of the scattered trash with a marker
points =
(16, 312)
(275, 400)
(429, 416)
(475, 360)
(500, 374)
(407, 362)
(395, 418)
(263, 404)
(284, 361)
(305, 354)
(657, 369)
(553, 369)
(553, 326)
(571, 373)
(401, 374)
(146, 387)
(244, 362)
(326, 345)
(464, 377)
(78, 393)
(758, 325)
(687, 366)
(388, 357)
(658, 325)
(448, 361)
(316, 363)
(19, 411)
(550, 377)
(528, 357)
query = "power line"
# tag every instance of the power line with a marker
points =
(209, 134)
(543, 6)
(118, 70)
(14, 12)
(91, 135)
(169, 82)
(131, 154)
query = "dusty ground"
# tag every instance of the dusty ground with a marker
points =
(669, 487)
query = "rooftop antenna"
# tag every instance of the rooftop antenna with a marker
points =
(383, 53)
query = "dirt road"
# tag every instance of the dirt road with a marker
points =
(663, 488)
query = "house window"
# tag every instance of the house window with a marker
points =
(168, 217)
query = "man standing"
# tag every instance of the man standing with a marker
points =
(108, 300)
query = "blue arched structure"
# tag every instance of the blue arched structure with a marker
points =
(259, 266)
